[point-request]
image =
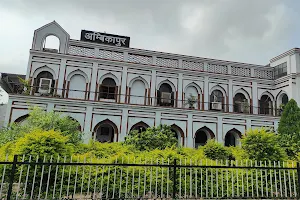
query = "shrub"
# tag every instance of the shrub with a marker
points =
(216, 151)
(263, 145)
(159, 137)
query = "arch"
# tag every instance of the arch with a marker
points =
(75, 120)
(109, 75)
(180, 134)
(138, 92)
(193, 84)
(202, 135)
(113, 131)
(218, 87)
(22, 119)
(192, 92)
(78, 72)
(279, 98)
(167, 82)
(44, 68)
(268, 94)
(241, 103)
(165, 94)
(51, 43)
(77, 88)
(244, 92)
(108, 89)
(232, 137)
(140, 126)
(266, 104)
(140, 79)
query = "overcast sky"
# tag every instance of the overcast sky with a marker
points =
(251, 31)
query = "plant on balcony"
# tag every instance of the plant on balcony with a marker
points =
(26, 84)
(191, 100)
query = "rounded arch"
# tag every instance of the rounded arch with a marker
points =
(139, 78)
(202, 135)
(112, 135)
(232, 137)
(109, 75)
(78, 72)
(193, 84)
(167, 82)
(244, 92)
(51, 41)
(44, 68)
(140, 126)
(218, 87)
(180, 134)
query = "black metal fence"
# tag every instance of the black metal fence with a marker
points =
(30, 177)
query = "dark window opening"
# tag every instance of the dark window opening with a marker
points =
(230, 139)
(44, 76)
(165, 95)
(265, 105)
(240, 103)
(280, 70)
(284, 99)
(216, 100)
(200, 139)
(108, 89)
(105, 133)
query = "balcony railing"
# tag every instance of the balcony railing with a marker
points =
(151, 101)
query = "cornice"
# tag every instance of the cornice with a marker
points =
(287, 53)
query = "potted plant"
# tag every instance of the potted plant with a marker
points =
(191, 100)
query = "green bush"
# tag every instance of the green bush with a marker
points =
(263, 145)
(216, 151)
(159, 137)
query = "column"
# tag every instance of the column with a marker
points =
(189, 138)
(28, 67)
(230, 96)
(254, 98)
(123, 131)
(50, 107)
(61, 77)
(87, 125)
(153, 87)
(275, 125)
(94, 81)
(219, 135)
(123, 85)
(8, 112)
(206, 93)
(180, 90)
(248, 124)
(157, 118)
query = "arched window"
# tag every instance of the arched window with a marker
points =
(51, 44)
(241, 104)
(232, 137)
(216, 100)
(108, 89)
(178, 134)
(265, 105)
(140, 127)
(137, 92)
(105, 131)
(44, 83)
(200, 138)
(165, 95)
(191, 99)
(77, 87)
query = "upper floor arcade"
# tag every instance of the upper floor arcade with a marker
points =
(96, 72)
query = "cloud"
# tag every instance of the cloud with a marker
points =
(238, 30)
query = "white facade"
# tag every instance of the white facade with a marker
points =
(110, 89)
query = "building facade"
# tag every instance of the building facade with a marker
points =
(111, 90)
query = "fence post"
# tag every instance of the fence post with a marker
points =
(174, 179)
(298, 176)
(12, 175)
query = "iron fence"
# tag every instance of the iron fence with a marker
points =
(49, 177)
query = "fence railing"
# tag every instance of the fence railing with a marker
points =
(48, 177)
(198, 103)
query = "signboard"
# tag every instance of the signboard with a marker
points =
(104, 38)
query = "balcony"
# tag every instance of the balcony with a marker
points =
(152, 101)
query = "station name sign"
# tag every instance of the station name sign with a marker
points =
(104, 38)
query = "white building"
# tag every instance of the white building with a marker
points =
(111, 90)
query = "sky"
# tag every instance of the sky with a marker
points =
(250, 31)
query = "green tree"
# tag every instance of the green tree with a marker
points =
(42, 120)
(289, 128)
(159, 137)
(216, 151)
(263, 145)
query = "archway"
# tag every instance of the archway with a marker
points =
(240, 103)
(232, 138)
(179, 134)
(217, 100)
(265, 105)
(105, 131)
(108, 89)
(51, 44)
(165, 95)
(202, 136)
(44, 83)
(22, 120)
(140, 127)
